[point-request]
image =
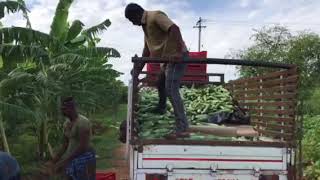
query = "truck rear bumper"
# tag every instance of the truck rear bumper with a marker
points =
(209, 157)
(176, 174)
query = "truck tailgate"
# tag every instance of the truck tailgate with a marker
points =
(206, 157)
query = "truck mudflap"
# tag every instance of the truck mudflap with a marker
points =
(211, 157)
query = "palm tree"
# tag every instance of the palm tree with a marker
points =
(64, 62)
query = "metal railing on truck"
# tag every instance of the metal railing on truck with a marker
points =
(270, 99)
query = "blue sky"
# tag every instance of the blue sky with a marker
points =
(219, 38)
(213, 5)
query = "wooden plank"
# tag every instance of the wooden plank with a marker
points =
(274, 75)
(200, 82)
(288, 88)
(269, 83)
(259, 122)
(216, 130)
(273, 104)
(273, 111)
(276, 119)
(271, 97)
(275, 134)
(287, 128)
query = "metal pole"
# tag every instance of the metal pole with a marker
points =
(199, 26)
(199, 45)
(217, 61)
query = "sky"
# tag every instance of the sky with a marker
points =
(230, 23)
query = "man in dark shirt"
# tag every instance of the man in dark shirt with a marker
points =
(163, 39)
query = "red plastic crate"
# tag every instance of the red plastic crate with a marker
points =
(153, 67)
(197, 67)
(106, 176)
(191, 69)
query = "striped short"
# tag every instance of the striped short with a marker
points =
(77, 168)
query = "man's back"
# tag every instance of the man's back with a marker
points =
(156, 26)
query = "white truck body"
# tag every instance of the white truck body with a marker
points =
(208, 162)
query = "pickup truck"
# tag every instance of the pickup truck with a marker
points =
(268, 154)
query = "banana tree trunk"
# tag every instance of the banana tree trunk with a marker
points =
(50, 149)
(43, 139)
(3, 136)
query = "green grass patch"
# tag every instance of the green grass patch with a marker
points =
(107, 140)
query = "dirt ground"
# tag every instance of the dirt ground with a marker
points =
(119, 164)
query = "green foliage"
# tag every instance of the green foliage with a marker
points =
(13, 54)
(92, 32)
(106, 140)
(312, 105)
(30, 37)
(74, 30)
(311, 146)
(59, 24)
(37, 69)
(278, 44)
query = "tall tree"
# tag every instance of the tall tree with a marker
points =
(278, 44)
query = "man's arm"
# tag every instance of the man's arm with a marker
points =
(62, 150)
(145, 53)
(175, 34)
(84, 135)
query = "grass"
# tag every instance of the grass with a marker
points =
(107, 140)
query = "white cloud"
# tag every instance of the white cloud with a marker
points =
(244, 3)
(218, 38)
(253, 14)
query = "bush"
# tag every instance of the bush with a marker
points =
(311, 146)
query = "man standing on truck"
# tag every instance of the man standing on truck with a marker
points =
(163, 40)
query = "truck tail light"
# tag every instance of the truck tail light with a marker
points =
(269, 177)
(155, 177)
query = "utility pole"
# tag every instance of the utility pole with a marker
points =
(199, 26)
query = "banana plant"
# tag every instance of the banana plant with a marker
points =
(66, 61)
(9, 7)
